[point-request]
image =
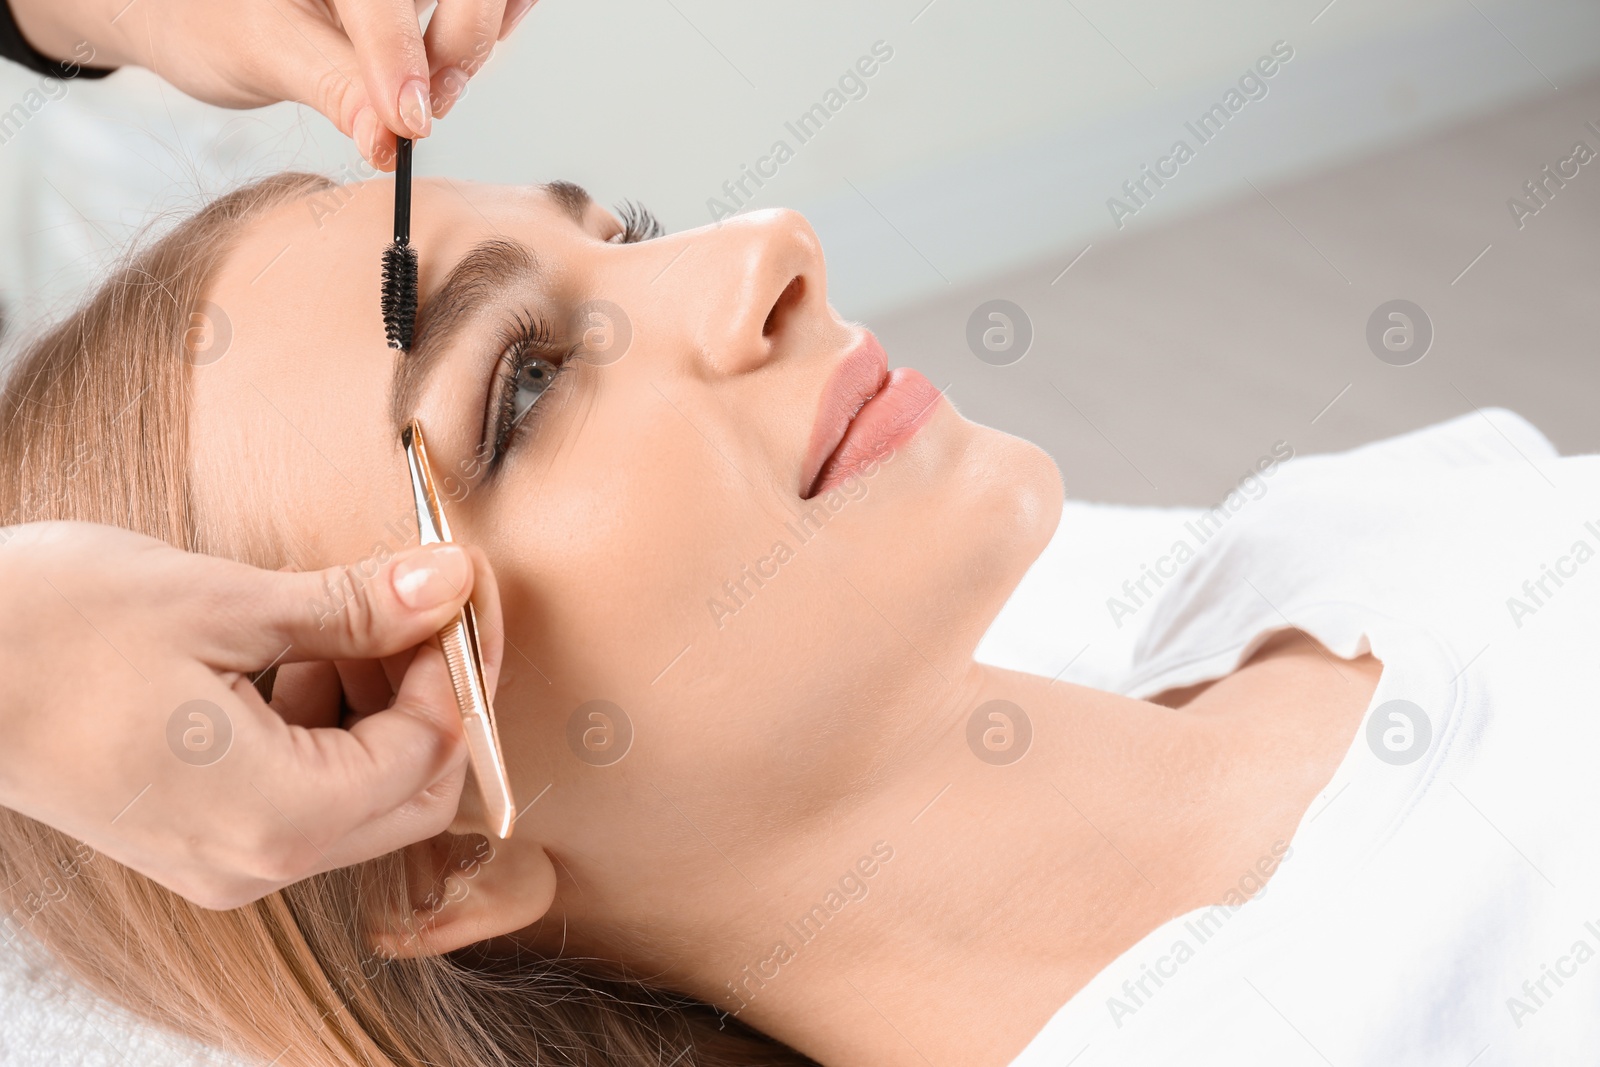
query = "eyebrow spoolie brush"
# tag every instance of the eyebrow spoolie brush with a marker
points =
(400, 259)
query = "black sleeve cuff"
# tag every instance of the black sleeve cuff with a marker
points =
(15, 47)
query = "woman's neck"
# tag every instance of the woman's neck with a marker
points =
(945, 916)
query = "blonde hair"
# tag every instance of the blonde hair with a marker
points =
(94, 418)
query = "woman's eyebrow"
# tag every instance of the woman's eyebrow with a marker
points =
(573, 198)
(477, 280)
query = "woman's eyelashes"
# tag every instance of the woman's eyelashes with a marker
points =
(638, 224)
(532, 360)
(530, 363)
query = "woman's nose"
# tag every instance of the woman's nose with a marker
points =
(758, 288)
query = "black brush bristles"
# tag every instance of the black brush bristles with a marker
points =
(399, 297)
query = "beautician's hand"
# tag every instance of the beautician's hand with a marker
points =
(362, 63)
(128, 720)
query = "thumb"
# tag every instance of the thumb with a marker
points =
(361, 611)
(392, 778)
(387, 38)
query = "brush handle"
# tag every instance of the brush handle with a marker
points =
(402, 191)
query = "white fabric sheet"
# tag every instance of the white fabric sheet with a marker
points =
(1438, 902)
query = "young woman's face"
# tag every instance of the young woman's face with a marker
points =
(648, 522)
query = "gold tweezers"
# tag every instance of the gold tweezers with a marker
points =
(462, 652)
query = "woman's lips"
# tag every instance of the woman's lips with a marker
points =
(866, 412)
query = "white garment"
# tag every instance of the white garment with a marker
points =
(1416, 898)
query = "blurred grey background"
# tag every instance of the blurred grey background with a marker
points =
(1174, 340)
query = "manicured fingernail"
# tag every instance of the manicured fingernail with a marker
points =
(365, 130)
(415, 111)
(428, 577)
(516, 11)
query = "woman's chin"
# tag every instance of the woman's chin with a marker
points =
(1015, 493)
(974, 507)
(997, 497)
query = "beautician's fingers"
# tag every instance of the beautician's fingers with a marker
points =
(313, 693)
(126, 660)
(319, 693)
(315, 63)
(292, 802)
(460, 37)
(361, 611)
(345, 779)
(427, 812)
(369, 684)
(387, 38)
(362, 63)
(491, 633)
(307, 694)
